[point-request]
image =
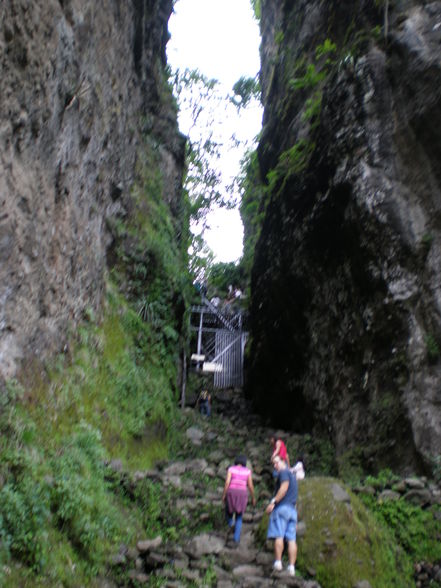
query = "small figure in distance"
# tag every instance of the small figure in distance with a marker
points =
(204, 403)
(279, 449)
(238, 482)
(283, 516)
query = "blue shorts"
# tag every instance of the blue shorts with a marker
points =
(282, 523)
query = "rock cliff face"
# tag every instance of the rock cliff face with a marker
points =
(83, 85)
(346, 295)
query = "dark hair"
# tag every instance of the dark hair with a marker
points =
(240, 460)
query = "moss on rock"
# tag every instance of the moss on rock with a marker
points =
(343, 542)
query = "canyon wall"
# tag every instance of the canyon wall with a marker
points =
(346, 283)
(83, 90)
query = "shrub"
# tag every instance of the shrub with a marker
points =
(24, 513)
(432, 348)
(415, 529)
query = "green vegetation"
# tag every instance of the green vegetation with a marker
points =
(353, 546)
(291, 162)
(432, 348)
(279, 37)
(256, 5)
(252, 208)
(244, 91)
(415, 529)
(112, 395)
(115, 399)
(199, 98)
(343, 544)
(436, 468)
(309, 79)
(311, 74)
(223, 274)
(313, 108)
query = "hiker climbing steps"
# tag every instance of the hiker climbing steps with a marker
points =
(197, 548)
(194, 483)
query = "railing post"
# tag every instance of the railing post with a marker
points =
(201, 322)
(184, 379)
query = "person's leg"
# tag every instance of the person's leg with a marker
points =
(292, 552)
(238, 527)
(290, 537)
(278, 549)
(229, 517)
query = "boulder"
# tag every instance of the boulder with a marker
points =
(149, 544)
(204, 544)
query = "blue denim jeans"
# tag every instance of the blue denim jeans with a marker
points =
(204, 408)
(237, 526)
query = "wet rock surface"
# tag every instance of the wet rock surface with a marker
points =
(82, 92)
(345, 311)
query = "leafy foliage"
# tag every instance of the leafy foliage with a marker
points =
(254, 198)
(221, 275)
(416, 530)
(292, 161)
(244, 91)
(256, 4)
(308, 80)
(433, 351)
(199, 97)
(112, 395)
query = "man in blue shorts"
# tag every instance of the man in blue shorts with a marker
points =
(283, 515)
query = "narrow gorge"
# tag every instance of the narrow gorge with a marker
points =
(109, 476)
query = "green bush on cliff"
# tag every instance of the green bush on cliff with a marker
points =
(113, 399)
(292, 161)
(416, 530)
(112, 395)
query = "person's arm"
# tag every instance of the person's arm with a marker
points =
(251, 488)
(278, 497)
(287, 458)
(227, 483)
(276, 449)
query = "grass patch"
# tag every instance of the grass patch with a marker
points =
(60, 515)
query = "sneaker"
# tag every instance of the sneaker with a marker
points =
(291, 570)
(277, 566)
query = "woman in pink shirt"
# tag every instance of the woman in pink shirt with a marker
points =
(235, 495)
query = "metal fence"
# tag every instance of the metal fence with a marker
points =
(229, 354)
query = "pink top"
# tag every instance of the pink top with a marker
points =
(282, 452)
(239, 477)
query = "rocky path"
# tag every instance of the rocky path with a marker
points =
(202, 554)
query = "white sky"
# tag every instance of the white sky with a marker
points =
(221, 39)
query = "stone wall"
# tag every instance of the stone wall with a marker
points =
(346, 307)
(82, 86)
